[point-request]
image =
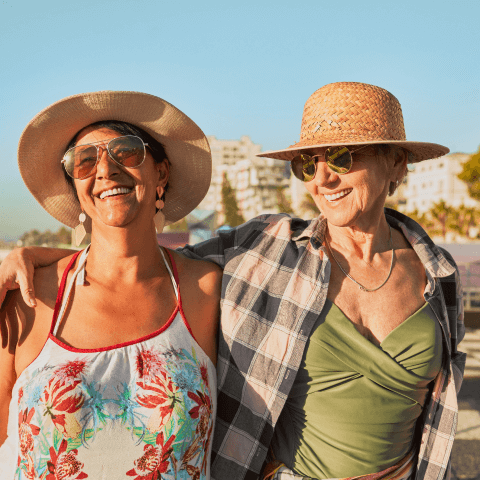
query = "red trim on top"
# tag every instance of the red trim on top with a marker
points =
(61, 290)
(182, 313)
(118, 345)
(55, 312)
(175, 271)
(178, 308)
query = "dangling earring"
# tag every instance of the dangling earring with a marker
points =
(80, 231)
(159, 217)
(392, 187)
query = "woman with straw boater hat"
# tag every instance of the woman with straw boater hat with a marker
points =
(121, 382)
(338, 351)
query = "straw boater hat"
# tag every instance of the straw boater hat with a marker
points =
(45, 139)
(349, 113)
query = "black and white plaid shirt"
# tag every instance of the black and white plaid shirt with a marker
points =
(275, 283)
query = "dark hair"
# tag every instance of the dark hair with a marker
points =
(124, 128)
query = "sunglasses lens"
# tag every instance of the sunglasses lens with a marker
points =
(80, 161)
(128, 151)
(303, 167)
(339, 159)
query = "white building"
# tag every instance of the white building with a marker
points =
(435, 180)
(230, 152)
(255, 179)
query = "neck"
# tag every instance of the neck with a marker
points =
(123, 255)
(362, 242)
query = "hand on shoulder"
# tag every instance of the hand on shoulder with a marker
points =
(23, 329)
(17, 270)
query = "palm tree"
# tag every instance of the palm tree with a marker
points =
(471, 175)
(464, 218)
(443, 217)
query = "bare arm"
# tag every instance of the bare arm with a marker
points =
(8, 337)
(201, 285)
(17, 270)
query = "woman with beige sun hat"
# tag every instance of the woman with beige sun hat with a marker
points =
(112, 375)
(338, 348)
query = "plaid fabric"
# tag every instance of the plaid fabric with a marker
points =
(274, 287)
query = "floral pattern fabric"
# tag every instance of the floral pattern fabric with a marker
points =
(140, 412)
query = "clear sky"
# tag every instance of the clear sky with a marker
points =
(236, 68)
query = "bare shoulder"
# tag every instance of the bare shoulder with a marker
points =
(24, 329)
(47, 280)
(206, 275)
(16, 316)
(200, 284)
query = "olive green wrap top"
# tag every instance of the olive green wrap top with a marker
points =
(354, 406)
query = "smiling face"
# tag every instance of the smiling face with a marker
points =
(355, 199)
(118, 196)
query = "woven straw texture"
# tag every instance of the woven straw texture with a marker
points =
(348, 113)
(45, 139)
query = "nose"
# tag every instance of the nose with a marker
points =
(323, 174)
(106, 167)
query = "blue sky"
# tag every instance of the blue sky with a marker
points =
(236, 68)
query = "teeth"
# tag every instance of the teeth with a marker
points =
(115, 191)
(333, 197)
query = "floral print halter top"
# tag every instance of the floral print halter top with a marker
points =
(142, 410)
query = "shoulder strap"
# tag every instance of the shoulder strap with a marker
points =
(60, 308)
(173, 278)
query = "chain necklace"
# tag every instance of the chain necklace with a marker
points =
(360, 286)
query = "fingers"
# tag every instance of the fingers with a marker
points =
(3, 292)
(17, 271)
(25, 281)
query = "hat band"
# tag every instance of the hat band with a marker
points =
(334, 134)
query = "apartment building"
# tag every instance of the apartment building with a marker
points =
(229, 152)
(433, 180)
(255, 179)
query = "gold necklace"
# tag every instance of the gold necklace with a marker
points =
(365, 289)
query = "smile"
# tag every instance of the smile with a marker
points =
(336, 196)
(114, 191)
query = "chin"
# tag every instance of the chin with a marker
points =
(341, 218)
(113, 222)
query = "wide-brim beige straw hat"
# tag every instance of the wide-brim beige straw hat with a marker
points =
(46, 137)
(350, 113)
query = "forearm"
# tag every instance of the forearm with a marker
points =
(17, 270)
(44, 256)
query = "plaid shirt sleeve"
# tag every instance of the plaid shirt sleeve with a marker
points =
(273, 289)
(215, 249)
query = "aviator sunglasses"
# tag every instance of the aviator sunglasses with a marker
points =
(338, 159)
(127, 151)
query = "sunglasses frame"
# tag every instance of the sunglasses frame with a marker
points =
(94, 144)
(313, 157)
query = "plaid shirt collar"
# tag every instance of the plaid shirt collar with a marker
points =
(433, 259)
